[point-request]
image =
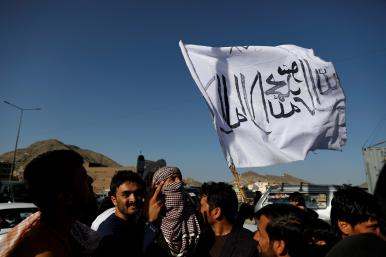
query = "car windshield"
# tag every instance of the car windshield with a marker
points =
(13, 191)
(313, 200)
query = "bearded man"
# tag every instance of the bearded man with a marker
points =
(283, 230)
(127, 232)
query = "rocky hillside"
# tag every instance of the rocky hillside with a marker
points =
(191, 182)
(251, 177)
(25, 155)
(101, 168)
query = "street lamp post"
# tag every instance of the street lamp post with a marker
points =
(18, 132)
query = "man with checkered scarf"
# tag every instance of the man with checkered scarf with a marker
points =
(178, 222)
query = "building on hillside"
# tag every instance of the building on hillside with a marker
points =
(261, 186)
(102, 175)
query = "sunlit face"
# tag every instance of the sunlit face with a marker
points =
(264, 245)
(128, 199)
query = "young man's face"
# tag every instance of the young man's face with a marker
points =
(264, 245)
(370, 226)
(128, 199)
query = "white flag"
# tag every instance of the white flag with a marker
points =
(270, 105)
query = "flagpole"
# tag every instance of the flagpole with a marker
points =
(201, 88)
(238, 184)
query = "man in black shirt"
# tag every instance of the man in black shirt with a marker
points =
(126, 232)
(223, 238)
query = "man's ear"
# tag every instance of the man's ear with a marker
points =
(279, 248)
(345, 227)
(216, 213)
(114, 200)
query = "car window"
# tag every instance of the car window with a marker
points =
(20, 193)
(281, 198)
(14, 192)
(316, 200)
(313, 200)
(11, 217)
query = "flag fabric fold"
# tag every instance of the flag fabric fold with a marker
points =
(269, 105)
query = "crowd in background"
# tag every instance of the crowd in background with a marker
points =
(159, 218)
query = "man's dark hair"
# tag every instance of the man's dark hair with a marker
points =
(223, 196)
(323, 238)
(123, 176)
(297, 197)
(290, 224)
(50, 174)
(352, 205)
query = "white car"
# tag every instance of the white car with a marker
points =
(317, 197)
(13, 213)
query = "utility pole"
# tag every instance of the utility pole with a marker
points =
(18, 132)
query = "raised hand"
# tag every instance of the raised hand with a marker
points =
(155, 205)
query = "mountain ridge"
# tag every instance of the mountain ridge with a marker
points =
(251, 177)
(95, 159)
(25, 155)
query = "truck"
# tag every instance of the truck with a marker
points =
(374, 158)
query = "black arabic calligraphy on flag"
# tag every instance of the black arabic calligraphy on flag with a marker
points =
(269, 104)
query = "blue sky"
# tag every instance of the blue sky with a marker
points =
(110, 77)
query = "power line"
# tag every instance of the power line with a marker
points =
(379, 125)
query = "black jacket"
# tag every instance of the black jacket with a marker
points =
(239, 243)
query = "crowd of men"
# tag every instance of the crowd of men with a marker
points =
(162, 220)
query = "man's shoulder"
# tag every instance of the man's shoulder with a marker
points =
(242, 233)
(366, 244)
(240, 243)
(110, 225)
(102, 217)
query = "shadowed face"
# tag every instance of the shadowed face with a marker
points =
(204, 209)
(82, 190)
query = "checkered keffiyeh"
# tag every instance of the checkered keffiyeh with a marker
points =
(179, 225)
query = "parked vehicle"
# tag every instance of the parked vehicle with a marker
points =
(13, 191)
(374, 157)
(317, 197)
(13, 213)
(195, 194)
